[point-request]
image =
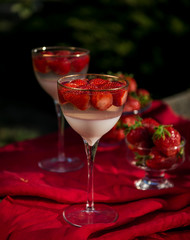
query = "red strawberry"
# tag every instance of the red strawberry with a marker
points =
(63, 53)
(98, 81)
(132, 84)
(157, 160)
(114, 134)
(137, 135)
(129, 120)
(167, 139)
(143, 96)
(101, 100)
(120, 95)
(79, 82)
(132, 104)
(40, 64)
(79, 63)
(150, 124)
(60, 65)
(78, 98)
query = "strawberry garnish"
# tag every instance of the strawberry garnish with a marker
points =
(98, 81)
(101, 100)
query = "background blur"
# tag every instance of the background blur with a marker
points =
(147, 38)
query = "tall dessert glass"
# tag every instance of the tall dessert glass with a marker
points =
(49, 64)
(91, 104)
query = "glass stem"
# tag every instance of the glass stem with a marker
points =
(60, 119)
(90, 153)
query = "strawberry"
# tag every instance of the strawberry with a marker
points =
(143, 96)
(132, 84)
(40, 64)
(129, 120)
(158, 161)
(167, 139)
(150, 124)
(120, 95)
(115, 133)
(63, 53)
(98, 81)
(132, 104)
(137, 135)
(79, 82)
(60, 65)
(79, 63)
(78, 98)
(101, 100)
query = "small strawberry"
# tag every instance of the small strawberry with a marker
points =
(79, 82)
(78, 98)
(115, 134)
(150, 124)
(98, 81)
(60, 65)
(132, 84)
(40, 64)
(158, 161)
(137, 135)
(132, 104)
(143, 96)
(101, 100)
(167, 139)
(129, 120)
(79, 63)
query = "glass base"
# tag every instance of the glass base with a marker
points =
(153, 184)
(68, 165)
(78, 216)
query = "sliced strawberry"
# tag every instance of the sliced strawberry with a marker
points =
(63, 53)
(79, 63)
(98, 81)
(101, 100)
(61, 95)
(119, 97)
(79, 82)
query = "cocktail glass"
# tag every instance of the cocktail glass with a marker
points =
(49, 64)
(155, 165)
(91, 104)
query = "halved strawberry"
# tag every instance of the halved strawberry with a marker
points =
(79, 82)
(101, 100)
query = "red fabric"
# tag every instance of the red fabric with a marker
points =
(34, 198)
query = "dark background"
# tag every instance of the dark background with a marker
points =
(147, 38)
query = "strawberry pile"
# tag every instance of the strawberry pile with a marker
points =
(138, 98)
(60, 62)
(156, 146)
(83, 95)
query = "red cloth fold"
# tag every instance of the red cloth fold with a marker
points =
(36, 198)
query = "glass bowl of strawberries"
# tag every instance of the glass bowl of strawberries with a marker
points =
(155, 148)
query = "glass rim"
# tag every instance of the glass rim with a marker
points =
(82, 51)
(97, 75)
